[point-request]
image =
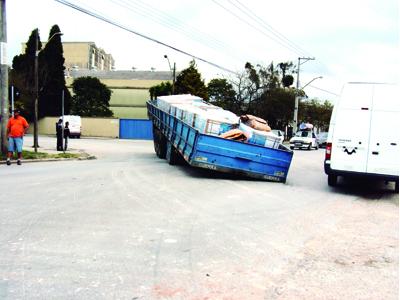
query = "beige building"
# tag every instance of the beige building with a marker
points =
(84, 55)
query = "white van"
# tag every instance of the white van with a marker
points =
(75, 125)
(363, 138)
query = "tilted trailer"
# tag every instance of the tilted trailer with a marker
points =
(174, 140)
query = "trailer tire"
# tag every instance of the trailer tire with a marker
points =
(160, 143)
(171, 154)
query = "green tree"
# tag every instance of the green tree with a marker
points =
(91, 98)
(315, 112)
(162, 89)
(221, 93)
(276, 106)
(287, 67)
(53, 79)
(189, 82)
(22, 75)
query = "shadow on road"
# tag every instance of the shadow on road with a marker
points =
(368, 189)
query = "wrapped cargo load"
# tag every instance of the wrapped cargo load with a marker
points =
(259, 137)
(214, 120)
(255, 122)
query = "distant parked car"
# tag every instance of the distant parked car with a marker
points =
(304, 139)
(322, 137)
(75, 125)
(279, 133)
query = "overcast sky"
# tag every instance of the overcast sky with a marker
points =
(351, 40)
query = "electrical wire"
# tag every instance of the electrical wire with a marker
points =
(285, 45)
(326, 91)
(298, 50)
(104, 19)
(150, 12)
(247, 11)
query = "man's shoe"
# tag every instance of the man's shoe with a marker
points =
(19, 162)
(8, 162)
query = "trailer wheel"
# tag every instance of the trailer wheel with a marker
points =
(159, 143)
(332, 180)
(163, 146)
(172, 155)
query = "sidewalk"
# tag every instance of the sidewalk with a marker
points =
(50, 149)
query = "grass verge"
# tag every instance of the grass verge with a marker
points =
(42, 155)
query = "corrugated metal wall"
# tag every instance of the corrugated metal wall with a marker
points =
(135, 129)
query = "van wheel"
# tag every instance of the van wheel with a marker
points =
(332, 180)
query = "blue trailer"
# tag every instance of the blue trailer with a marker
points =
(175, 140)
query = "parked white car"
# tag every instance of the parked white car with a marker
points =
(75, 125)
(304, 139)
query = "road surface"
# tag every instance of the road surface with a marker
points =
(129, 226)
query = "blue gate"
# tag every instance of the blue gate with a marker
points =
(135, 129)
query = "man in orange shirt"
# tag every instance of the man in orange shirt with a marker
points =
(16, 128)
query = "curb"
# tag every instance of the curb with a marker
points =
(24, 161)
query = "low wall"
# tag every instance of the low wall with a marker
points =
(96, 127)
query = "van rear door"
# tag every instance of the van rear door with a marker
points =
(351, 131)
(383, 154)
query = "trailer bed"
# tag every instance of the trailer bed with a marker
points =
(174, 139)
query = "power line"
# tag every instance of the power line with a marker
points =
(267, 27)
(150, 12)
(326, 91)
(285, 45)
(102, 18)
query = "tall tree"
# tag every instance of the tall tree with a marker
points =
(276, 106)
(91, 98)
(53, 77)
(221, 93)
(22, 75)
(189, 82)
(316, 113)
(162, 89)
(51, 80)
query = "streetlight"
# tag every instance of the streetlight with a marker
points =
(296, 99)
(297, 102)
(37, 51)
(173, 74)
(319, 77)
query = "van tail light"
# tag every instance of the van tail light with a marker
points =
(328, 151)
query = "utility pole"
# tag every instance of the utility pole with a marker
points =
(173, 73)
(173, 79)
(3, 78)
(297, 98)
(35, 121)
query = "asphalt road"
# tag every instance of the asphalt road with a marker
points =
(129, 226)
